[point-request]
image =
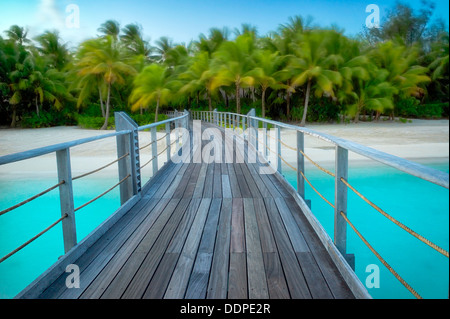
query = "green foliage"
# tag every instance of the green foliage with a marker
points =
(48, 119)
(298, 72)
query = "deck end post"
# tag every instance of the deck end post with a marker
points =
(130, 165)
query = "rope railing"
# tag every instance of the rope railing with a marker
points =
(399, 278)
(33, 239)
(151, 159)
(31, 198)
(102, 194)
(402, 226)
(153, 142)
(100, 168)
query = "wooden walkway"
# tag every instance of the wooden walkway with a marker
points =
(208, 231)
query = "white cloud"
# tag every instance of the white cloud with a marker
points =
(49, 16)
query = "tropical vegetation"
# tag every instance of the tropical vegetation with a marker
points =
(299, 72)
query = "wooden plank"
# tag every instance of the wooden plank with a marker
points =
(235, 190)
(198, 192)
(237, 227)
(208, 189)
(249, 178)
(333, 277)
(184, 181)
(218, 282)
(245, 190)
(158, 284)
(237, 282)
(297, 240)
(226, 187)
(106, 243)
(276, 281)
(316, 282)
(189, 192)
(176, 182)
(198, 281)
(178, 283)
(295, 280)
(120, 282)
(257, 282)
(108, 273)
(217, 184)
(141, 279)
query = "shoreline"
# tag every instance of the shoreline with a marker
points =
(420, 141)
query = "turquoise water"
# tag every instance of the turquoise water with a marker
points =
(20, 225)
(420, 205)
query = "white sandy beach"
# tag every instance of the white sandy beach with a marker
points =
(419, 140)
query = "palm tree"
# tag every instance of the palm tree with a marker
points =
(163, 46)
(199, 76)
(134, 43)
(18, 35)
(48, 85)
(268, 73)
(233, 61)
(110, 28)
(314, 66)
(152, 85)
(102, 59)
(371, 90)
(404, 73)
(52, 48)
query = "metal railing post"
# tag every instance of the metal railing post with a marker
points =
(265, 149)
(154, 150)
(278, 149)
(300, 164)
(168, 152)
(340, 204)
(66, 199)
(129, 165)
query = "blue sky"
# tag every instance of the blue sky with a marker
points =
(184, 20)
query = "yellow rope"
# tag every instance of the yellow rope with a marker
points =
(392, 219)
(307, 157)
(102, 194)
(33, 239)
(31, 198)
(99, 169)
(318, 193)
(381, 259)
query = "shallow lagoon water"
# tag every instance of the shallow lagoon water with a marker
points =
(420, 205)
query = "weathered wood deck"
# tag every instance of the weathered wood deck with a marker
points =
(208, 231)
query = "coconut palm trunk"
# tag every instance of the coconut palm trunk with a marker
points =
(105, 125)
(263, 102)
(101, 101)
(238, 98)
(209, 101)
(157, 108)
(305, 110)
(37, 106)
